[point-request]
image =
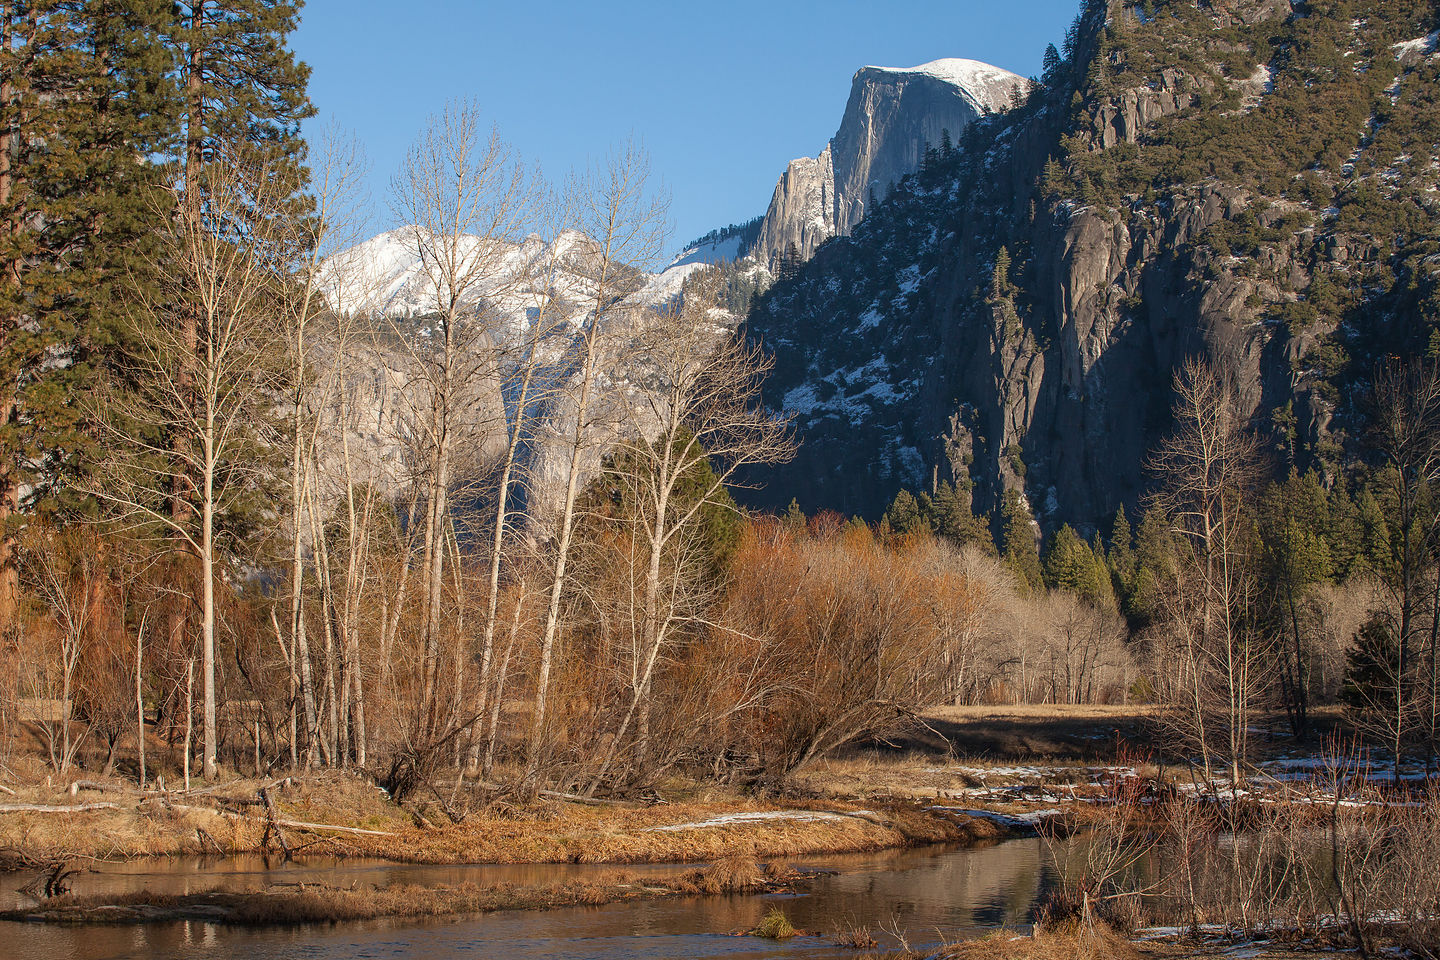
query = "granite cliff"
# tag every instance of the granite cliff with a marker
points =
(892, 116)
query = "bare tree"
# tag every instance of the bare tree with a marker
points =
(62, 569)
(1209, 469)
(697, 421)
(190, 419)
(466, 202)
(320, 271)
(1405, 430)
(623, 225)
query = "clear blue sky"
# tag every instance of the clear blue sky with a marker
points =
(721, 94)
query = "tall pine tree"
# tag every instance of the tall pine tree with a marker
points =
(84, 90)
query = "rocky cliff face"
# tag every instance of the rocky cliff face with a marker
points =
(1012, 317)
(892, 115)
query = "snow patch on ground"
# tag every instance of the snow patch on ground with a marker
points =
(801, 816)
(1417, 47)
(1015, 821)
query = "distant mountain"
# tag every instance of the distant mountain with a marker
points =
(384, 281)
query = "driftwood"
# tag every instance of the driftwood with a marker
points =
(56, 808)
(272, 825)
(205, 839)
(53, 881)
(77, 785)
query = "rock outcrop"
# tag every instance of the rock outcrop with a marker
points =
(892, 116)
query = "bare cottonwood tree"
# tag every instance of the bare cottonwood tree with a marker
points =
(1208, 469)
(1405, 430)
(191, 418)
(466, 201)
(696, 421)
(62, 569)
(314, 360)
(623, 226)
(527, 388)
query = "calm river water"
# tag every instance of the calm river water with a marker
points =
(929, 895)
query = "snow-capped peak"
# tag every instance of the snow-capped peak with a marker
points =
(987, 84)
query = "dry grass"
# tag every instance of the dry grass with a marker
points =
(327, 904)
(733, 874)
(774, 926)
(548, 832)
(854, 937)
(1072, 942)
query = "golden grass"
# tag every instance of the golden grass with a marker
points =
(774, 926)
(548, 832)
(329, 904)
(1072, 942)
(733, 874)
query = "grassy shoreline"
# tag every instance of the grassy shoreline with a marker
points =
(346, 817)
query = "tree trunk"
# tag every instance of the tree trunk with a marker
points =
(140, 702)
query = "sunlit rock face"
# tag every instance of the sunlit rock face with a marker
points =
(893, 115)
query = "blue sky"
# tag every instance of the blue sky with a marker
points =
(721, 94)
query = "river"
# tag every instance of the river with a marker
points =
(929, 895)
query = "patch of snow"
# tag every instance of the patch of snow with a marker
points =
(726, 248)
(869, 319)
(986, 85)
(802, 399)
(909, 279)
(1417, 47)
(802, 816)
(1027, 821)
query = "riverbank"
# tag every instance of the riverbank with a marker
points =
(326, 903)
(342, 815)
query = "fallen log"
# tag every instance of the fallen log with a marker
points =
(292, 824)
(272, 825)
(56, 808)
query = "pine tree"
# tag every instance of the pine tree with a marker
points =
(904, 515)
(1292, 518)
(1122, 553)
(82, 97)
(1154, 561)
(1000, 286)
(950, 516)
(1050, 66)
(789, 262)
(1018, 542)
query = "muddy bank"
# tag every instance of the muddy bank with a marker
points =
(326, 903)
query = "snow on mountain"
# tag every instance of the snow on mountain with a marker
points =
(666, 285)
(393, 274)
(988, 87)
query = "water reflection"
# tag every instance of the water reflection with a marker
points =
(930, 894)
